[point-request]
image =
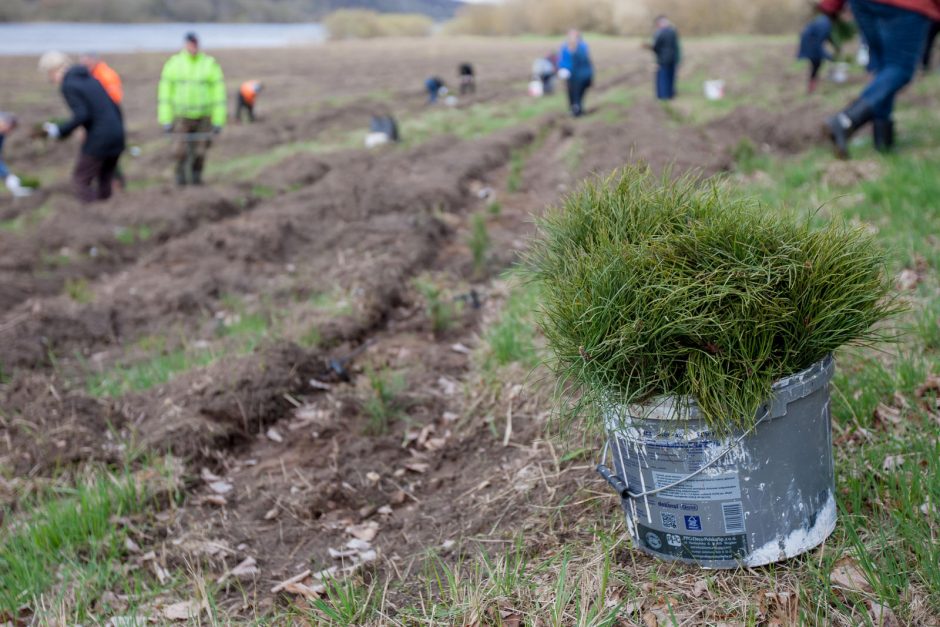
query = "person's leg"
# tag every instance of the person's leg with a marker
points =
(814, 65)
(572, 95)
(582, 93)
(251, 113)
(928, 49)
(671, 81)
(106, 176)
(202, 126)
(182, 151)
(660, 82)
(86, 170)
(239, 105)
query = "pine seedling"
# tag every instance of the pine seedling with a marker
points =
(655, 287)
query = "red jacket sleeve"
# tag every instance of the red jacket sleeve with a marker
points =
(831, 7)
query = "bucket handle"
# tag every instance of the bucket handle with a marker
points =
(623, 489)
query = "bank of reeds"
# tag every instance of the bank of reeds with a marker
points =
(364, 24)
(629, 17)
(651, 287)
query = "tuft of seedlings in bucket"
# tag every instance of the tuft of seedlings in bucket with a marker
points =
(652, 287)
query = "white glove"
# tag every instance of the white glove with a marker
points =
(52, 130)
(564, 73)
(16, 188)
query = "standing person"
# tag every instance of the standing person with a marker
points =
(666, 48)
(7, 124)
(574, 65)
(111, 81)
(94, 110)
(813, 47)
(191, 102)
(467, 80)
(247, 95)
(896, 31)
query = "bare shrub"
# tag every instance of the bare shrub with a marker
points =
(628, 17)
(363, 24)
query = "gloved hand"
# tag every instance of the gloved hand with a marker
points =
(564, 74)
(168, 128)
(16, 188)
(52, 130)
(216, 130)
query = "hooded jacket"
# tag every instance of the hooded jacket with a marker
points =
(93, 109)
(191, 87)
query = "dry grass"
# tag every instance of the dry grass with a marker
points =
(362, 24)
(622, 17)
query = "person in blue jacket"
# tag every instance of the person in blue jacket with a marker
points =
(574, 65)
(813, 47)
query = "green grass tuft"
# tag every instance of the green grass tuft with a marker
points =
(383, 401)
(479, 241)
(660, 288)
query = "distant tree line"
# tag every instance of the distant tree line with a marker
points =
(208, 10)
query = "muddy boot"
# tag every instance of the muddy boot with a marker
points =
(181, 174)
(840, 127)
(882, 132)
(197, 171)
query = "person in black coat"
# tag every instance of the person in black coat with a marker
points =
(666, 48)
(93, 109)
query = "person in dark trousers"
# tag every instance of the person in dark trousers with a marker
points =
(247, 97)
(813, 47)
(928, 48)
(896, 32)
(467, 79)
(666, 48)
(574, 66)
(191, 104)
(93, 109)
(435, 87)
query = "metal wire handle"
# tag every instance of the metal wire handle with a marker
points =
(620, 484)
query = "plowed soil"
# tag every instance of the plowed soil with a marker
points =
(334, 241)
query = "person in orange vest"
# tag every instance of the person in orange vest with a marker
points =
(111, 81)
(247, 94)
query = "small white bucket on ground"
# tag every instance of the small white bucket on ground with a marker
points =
(748, 499)
(839, 72)
(536, 89)
(715, 89)
(374, 140)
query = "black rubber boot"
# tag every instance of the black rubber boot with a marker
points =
(841, 126)
(882, 132)
(197, 171)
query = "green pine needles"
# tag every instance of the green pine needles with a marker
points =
(651, 287)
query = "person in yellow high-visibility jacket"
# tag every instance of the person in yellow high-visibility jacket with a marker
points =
(191, 103)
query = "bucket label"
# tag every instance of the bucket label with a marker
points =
(723, 487)
(694, 547)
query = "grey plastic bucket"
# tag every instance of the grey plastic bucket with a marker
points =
(748, 499)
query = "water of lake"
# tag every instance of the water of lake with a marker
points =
(37, 37)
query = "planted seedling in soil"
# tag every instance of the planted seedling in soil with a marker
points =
(479, 242)
(383, 402)
(660, 288)
(440, 311)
